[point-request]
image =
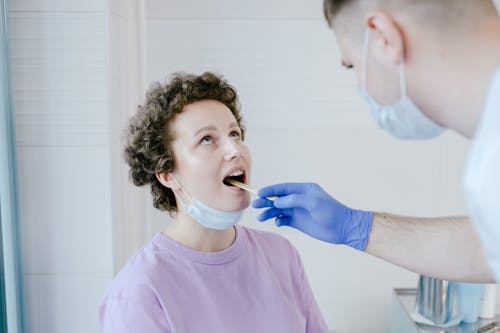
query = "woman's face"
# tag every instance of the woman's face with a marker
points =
(208, 148)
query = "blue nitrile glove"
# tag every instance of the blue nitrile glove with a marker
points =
(308, 208)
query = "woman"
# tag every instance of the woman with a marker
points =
(203, 273)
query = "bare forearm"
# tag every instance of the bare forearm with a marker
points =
(445, 248)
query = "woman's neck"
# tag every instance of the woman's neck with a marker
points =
(190, 233)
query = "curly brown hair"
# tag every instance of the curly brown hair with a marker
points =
(148, 150)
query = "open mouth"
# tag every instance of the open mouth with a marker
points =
(237, 175)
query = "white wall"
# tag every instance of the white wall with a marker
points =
(59, 53)
(126, 88)
(306, 123)
(80, 68)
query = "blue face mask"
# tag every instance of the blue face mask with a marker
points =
(402, 119)
(207, 216)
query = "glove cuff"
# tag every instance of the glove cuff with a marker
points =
(361, 226)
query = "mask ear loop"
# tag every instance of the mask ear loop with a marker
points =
(402, 78)
(183, 191)
(366, 45)
(402, 71)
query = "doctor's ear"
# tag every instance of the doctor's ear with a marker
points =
(166, 179)
(387, 37)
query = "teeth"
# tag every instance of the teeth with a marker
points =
(236, 173)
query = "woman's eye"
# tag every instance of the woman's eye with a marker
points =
(206, 140)
(235, 135)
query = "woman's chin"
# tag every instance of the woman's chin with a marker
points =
(245, 205)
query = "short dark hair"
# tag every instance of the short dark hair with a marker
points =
(332, 7)
(148, 150)
(439, 11)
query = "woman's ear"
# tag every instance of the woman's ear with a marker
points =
(166, 179)
(387, 37)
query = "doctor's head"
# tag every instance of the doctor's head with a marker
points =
(185, 139)
(434, 39)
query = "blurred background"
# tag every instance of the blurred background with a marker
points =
(80, 68)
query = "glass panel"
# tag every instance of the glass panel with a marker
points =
(11, 300)
(3, 314)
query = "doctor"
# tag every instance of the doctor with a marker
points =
(422, 66)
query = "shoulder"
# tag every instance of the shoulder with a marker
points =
(132, 302)
(135, 282)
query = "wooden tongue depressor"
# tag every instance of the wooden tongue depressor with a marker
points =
(245, 187)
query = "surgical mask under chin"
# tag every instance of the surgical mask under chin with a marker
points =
(402, 119)
(207, 216)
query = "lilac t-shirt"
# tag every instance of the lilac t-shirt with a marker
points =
(256, 285)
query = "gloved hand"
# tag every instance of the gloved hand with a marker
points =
(308, 208)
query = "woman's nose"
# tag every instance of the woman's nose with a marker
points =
(233, 150)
